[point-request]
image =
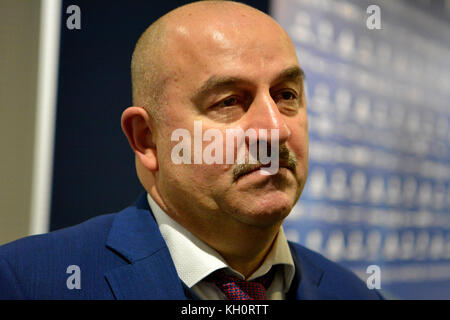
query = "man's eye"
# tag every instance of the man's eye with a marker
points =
(287, 95)
(227, 110)
(228, 102)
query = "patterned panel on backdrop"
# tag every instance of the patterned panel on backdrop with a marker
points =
(378, 191)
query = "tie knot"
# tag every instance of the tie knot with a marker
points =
(238, 289)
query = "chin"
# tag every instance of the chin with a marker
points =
(264, 211)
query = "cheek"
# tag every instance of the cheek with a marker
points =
(200, 178)
(204, 175)
(299, 140)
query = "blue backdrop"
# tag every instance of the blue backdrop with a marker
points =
(379, 182)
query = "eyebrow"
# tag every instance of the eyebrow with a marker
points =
(294, 73)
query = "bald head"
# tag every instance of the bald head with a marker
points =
(172, 33)
(146, 69)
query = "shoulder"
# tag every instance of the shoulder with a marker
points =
(31, 267)
(334, 278)
(90, 232)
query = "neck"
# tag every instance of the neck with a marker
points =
(243, 246)
(248, 250)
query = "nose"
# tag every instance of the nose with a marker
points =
(265, 114)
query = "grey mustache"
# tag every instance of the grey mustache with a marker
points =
(285, 157)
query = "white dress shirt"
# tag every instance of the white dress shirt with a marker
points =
(194, 260)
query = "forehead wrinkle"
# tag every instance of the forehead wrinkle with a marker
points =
(216, 83)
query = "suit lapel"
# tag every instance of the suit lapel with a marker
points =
(307, 279)
(150, 274)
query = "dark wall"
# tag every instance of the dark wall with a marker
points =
(94, 169)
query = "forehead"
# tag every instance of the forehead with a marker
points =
(221, 47)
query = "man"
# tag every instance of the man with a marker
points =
(204, 229)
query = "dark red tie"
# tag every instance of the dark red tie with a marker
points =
(237, 289)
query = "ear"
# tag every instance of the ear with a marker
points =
(136, 124)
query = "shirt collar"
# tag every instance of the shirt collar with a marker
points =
(194, 260)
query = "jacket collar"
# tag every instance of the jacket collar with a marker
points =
(307, 279)
(151, 274)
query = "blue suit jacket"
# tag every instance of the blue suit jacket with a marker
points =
(123, 256)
